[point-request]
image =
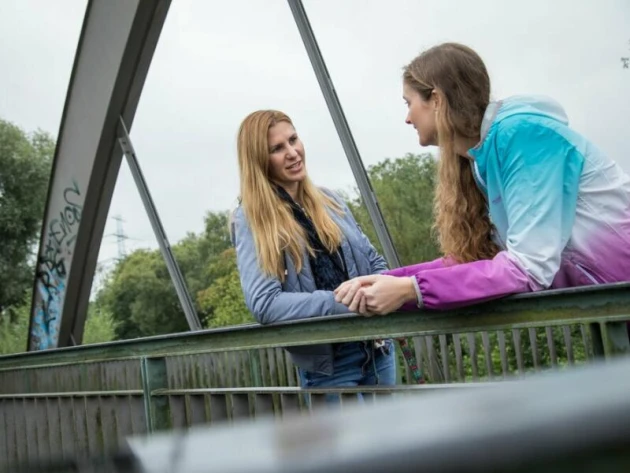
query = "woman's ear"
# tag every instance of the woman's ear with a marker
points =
(436, 99)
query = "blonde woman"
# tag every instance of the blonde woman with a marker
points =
(295, 243)
(523, 202)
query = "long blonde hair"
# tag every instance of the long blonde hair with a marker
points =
(458, 74)
(271, 220)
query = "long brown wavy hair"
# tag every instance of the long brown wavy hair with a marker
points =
(459, 76)
(271, 220)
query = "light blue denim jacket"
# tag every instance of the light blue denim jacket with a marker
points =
(272, 301)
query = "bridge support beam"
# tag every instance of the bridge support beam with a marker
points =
(115, 49)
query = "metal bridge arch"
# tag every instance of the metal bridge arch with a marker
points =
(115, 49)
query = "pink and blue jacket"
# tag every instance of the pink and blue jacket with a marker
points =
(560, 207)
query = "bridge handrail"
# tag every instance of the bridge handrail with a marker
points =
(603, 304)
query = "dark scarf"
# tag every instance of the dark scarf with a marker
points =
(329, 270)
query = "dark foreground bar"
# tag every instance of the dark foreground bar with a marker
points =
(577, 421)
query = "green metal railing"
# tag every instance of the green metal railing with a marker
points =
(87, 399)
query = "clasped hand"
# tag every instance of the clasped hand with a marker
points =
(375, 294)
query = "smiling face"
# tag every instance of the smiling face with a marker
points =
(286, 157)
(421, 114)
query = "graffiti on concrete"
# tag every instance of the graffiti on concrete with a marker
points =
(52, 269)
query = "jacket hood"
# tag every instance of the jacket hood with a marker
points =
(522, 104)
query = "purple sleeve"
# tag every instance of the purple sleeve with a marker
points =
(414, 269)
(448, 287)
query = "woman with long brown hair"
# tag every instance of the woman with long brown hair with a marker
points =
(523, 202)
(295, 243)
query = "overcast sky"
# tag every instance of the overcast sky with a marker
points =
(217, 61)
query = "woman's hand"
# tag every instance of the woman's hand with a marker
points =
(375, 294)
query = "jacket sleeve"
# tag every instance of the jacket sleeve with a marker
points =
(539, 173)
(264, 296)
(416, 268)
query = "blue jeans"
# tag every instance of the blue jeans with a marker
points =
(356, 364)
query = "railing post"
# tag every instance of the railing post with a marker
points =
(156, 408)
(615, 338)
(255, 367)
(597, 340)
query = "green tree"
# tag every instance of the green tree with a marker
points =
(141, 297)
(139, 292)
(404, 188)
(99, 328)
(25, 160)
(216, 235)
(224, 298)
(100, 325)
(200, 256)
(14, 330)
